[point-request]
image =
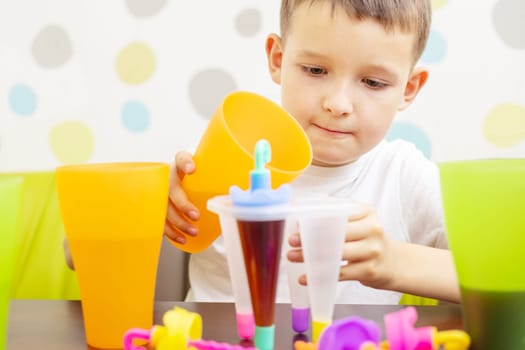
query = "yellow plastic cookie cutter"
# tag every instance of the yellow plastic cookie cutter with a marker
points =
(452, 340)
(180, 326)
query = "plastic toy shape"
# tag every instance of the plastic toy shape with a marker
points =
(180, 326)
(452, 340)
(302, 345)
(213, 345)
(401, 333)
(349, 334)
(354, 333)
(182, 330)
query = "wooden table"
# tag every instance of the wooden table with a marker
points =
(57, 324)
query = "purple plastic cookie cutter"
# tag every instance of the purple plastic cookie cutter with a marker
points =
(349, 334)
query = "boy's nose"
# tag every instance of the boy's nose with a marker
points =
(338, 100)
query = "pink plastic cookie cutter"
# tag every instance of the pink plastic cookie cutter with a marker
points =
(402, 335)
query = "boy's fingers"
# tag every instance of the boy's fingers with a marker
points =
(363, 227)
(302, 280)
(179, 201)
(173, 234)
(361, 251)
(184, 163)
(177, 221)
(180, 210)
(294, 240)
(295, 255)
(364, 211)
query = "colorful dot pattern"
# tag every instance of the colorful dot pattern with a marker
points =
(135, 116)
(248, 22)
(207, 89)
(144, 9)
(147, 75)
(504, 125)
(52, 47)
(22, 100)
(135, 63)
(71, 142)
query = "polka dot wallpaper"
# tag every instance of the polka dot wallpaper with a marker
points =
(130, 80)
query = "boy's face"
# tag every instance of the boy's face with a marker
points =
(342, 79)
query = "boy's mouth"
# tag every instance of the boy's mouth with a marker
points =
(332, 131)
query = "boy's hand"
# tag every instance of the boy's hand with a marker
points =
(366, 251)
(180, 210)
(379, 262)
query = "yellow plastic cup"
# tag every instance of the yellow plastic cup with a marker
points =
(10, 200)
(114, 216)
(225, 155)
(484, 203)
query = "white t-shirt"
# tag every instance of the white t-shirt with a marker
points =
(394, 178)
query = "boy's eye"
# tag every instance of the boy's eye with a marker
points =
(312, 70)
(374, 84)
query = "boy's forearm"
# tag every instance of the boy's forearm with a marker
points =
(427, 272)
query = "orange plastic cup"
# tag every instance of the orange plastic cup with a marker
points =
(224, 156)
(114, 216)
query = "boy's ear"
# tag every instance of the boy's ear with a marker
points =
(274, 54)
(415, 82)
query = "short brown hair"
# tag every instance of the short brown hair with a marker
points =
(408, 16)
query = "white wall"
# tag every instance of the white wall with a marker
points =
(96, 81)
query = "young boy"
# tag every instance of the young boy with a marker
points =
(345, 68)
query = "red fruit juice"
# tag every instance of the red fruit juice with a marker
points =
(261, 245)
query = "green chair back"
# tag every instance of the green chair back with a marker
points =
(40, 269)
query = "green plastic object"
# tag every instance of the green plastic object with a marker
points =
(409, 299)
(40, 268)
(484, 203)
(10, 190)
